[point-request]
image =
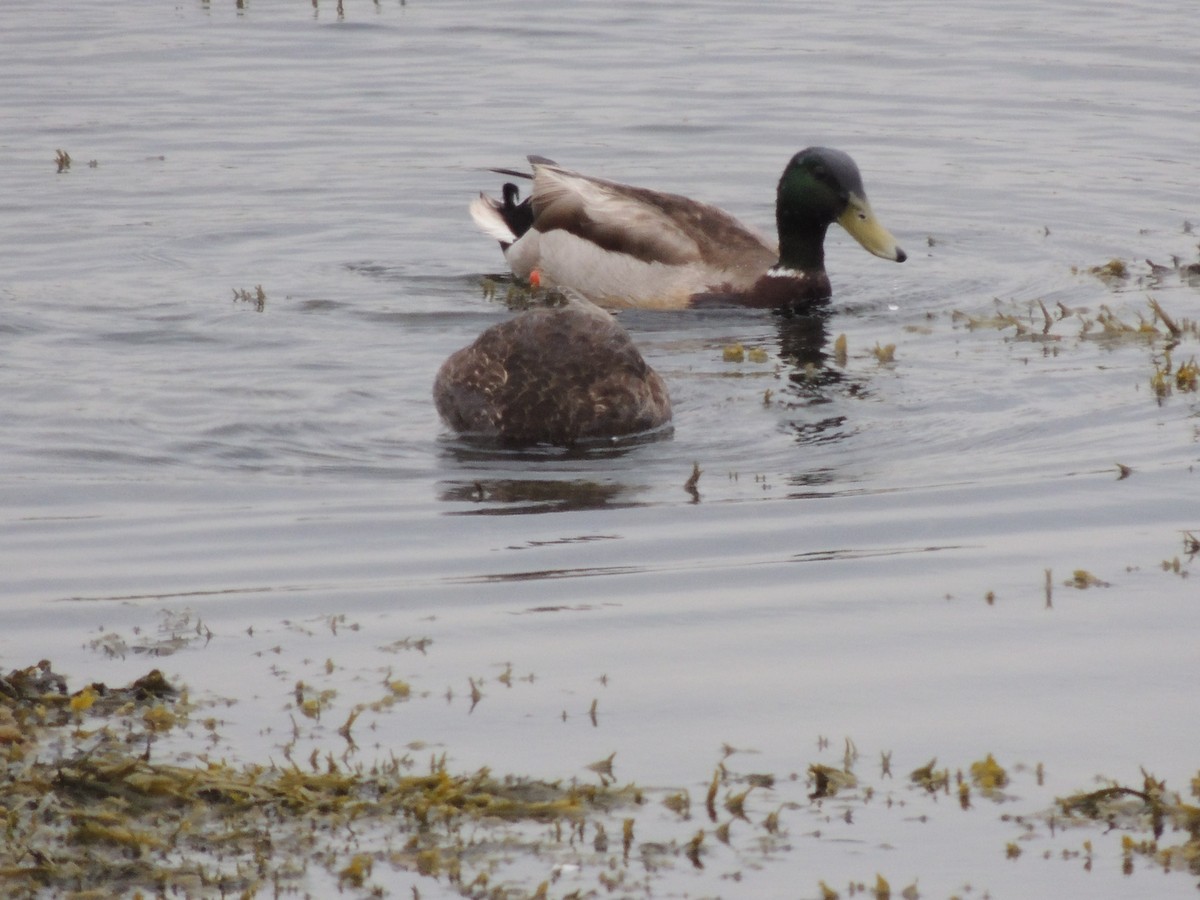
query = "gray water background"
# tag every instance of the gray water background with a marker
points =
(168, 450)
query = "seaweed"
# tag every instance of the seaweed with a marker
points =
(257, 298)
(88, 797)
(1150, 808)
(83, 802)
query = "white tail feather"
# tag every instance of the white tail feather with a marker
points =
(485, 212)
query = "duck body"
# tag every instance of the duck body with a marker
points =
(556, 376)
(620, 245)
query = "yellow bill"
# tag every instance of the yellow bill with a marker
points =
(860, 221)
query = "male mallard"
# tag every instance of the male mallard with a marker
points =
(551, 376)
(628, 246)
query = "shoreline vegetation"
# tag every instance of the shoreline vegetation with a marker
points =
(93, 806)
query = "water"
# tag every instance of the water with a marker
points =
(171, 451)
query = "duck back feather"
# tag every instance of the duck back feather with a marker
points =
(620, 245)
(551, 376)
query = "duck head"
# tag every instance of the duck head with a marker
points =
(819, 186)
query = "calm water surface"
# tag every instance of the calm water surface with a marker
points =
(172, 454)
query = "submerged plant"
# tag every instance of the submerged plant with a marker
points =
(256, 298)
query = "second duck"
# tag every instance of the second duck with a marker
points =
(620, 245)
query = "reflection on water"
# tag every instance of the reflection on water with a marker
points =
(802, 340)
(546, 575)
(532, 495)
(848, 553)
(816, 378)
(558, 491)
(823, 431)
(468, 450)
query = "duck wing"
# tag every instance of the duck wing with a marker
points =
(609, 240)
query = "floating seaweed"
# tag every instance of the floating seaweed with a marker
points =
(86, 799)
(827, 780)
(989, 776)
(1150, 808)
(885, 354)
(256, 298)
(84, 802)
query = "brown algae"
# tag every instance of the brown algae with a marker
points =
(256, 298)
(85, 801)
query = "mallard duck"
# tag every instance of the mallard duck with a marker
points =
(551, 376)
(619, 245)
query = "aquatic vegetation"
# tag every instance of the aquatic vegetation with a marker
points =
(880, 890)
(86, 800)
(1117, 274)
(839, 351)
(1114, 270)
(929, 778)
(176, 630)
(1151, 808)
(1083, 579)
(1191, 544)
(408, 643)
(1177, 566)
(710, 799)
(89, 805)
(693, 849)
(738, 352)
(679, 803)
(1033, 321)
(988, 776)
(1174, 566)
(1157, 329)
(998, 322)
(520, 295)
(827, 780)
(604, 768)
(885, 354)
(1185, 376)
(1168, 378)
(1112, 328)
(693, 481)
(256, 298)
